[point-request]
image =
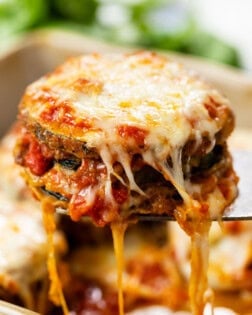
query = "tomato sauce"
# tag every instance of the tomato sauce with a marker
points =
(37, 157)
(63, 114)
(132, 132)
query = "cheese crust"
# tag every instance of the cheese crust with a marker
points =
(93, 97)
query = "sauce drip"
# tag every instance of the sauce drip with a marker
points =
(55, 293)
(118, 230)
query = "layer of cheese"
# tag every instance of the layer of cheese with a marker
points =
(143, 89)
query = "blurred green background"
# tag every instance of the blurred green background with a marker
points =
(161, 24)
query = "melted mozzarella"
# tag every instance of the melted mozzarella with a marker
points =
(118, 229)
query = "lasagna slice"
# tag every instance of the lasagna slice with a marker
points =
(111, 136)
(23, 244)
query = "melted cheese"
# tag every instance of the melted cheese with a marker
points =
(55, 293)
(199, 263)
(118, 230)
